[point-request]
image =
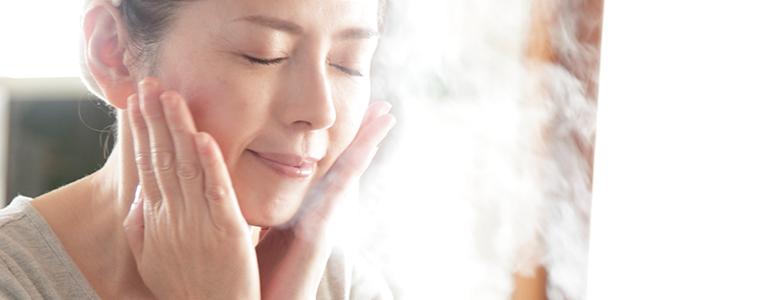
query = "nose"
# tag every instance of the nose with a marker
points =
(307, 103)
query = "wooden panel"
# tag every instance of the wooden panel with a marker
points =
(549, 18)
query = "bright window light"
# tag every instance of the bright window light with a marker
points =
(675, 198)
(39, 38)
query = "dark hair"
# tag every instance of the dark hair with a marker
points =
(148, 22)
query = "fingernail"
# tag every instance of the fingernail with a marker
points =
(201, 143)
(387, 110)
(146, 86)
(167, 96)
(141, 86)
(393, 122)
(169, 104)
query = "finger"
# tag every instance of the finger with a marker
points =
(373, 111)
(134, 226)
(182, 129)
(142, 155)
(161, 144)
(347, 168)
(359, 153)
(222, 202)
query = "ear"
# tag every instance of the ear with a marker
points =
(105, 52)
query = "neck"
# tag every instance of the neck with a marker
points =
(87, 217)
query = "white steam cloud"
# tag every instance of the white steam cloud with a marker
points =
(484, 175)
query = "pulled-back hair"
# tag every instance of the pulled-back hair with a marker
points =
(148, 22)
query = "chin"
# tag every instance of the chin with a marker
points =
(269, 211)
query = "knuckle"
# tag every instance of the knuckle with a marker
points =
(188, 171)
(178, 128)
(144, 162)
(153, 115)
(216, 193)
(154, 196)
(163, 160)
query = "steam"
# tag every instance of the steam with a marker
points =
(469, 189)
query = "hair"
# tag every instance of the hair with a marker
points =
(148, 22)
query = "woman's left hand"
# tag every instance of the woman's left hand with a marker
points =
(292, 256)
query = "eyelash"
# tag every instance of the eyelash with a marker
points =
(266, 62)
(350, 72)
(276, 61)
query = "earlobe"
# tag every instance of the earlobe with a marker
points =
(105, 52)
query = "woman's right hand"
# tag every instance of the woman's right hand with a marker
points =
(186, 231)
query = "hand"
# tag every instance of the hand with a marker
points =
(292, 257)
(186, 231)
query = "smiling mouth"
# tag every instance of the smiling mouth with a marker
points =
(288, 165)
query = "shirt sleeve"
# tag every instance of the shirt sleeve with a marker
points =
(11, 286)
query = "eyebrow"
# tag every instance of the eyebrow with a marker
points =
(275, 23)
(355, 33)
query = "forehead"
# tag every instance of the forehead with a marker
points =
(308, 14)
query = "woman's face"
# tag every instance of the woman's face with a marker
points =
(281, 85)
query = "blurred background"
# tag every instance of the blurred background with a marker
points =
(483, 189)
(45, 112)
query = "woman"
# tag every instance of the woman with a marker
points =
(231, 113)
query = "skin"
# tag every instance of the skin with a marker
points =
(188, 136)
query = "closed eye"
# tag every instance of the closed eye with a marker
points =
(348, 71)
(265, 62)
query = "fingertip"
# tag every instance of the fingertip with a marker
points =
(132, 100)
(207, 148)
(385, 107)
(170, 102)
(388, 121)
(375, 110)
(148, 84)
(202, 140)
(171, 96)
(393, 120)
(149, 90)
(168, 96)
(379, 108)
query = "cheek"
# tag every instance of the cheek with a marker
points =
(350, 105)
(231, 113)
(223, 107)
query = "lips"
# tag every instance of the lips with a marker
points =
(288, 165)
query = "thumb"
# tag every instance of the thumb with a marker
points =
(134, 225)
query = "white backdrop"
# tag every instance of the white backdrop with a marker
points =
(39, 38)
(676, 204)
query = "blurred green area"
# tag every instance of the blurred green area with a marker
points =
(55, 140)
